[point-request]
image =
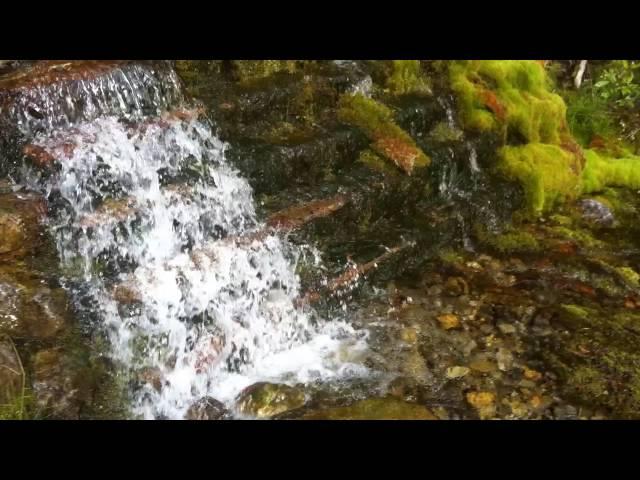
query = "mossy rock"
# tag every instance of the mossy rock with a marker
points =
(581, 236)
(511, 94)
(603, 171)
(374, 409)
(509, 241)
(549, 175)
(387, 138)
(265, 400)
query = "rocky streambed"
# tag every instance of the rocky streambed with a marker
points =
(467, 313)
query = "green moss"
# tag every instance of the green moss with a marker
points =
(253, 69)
(582, 237)
(588, 381)
(512, 95)
(443, 133)
(407, 77)
(373, 118)
(374, 409)
(547, 173)
(376, 162)
(288, 134)
(450, 256)
(601, 171)
(561, 220)
(388, 139)
(511, 241)
(576, 311)
(629, 275)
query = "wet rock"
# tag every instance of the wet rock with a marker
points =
(457, 372)
(483, 402)
(409, 335)
(264, 400)
(127, 294)
(456, 286)
(152, 376)
(505, 359)
(482, 364)
(565, 412)
(431, 278)
(507, 328)
(414, 365)
(374, 409)
(597, 213)
(469, 347)
(20, 217)
(11, 372)
(448, 321)
(518, 408)
(404, 388)
(434, 290)
(524, 383)
(206, 408)
(29, 309)
(58, 386)
(530, 374)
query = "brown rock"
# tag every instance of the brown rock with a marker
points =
(206, 408)
(264, 400)
(456, 286)
(483, 402)
(530, 374)
(483, 365)
(29, 309)
(448, 321)
(58, 388)
(20, 230)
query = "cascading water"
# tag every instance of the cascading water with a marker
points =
(151, 222)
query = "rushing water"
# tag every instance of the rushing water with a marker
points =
(153, 222)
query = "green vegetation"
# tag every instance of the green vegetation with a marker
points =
(407, 77)
(510, 241)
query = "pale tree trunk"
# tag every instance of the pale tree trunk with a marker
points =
(577, 79)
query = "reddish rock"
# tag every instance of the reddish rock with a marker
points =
(20, 224)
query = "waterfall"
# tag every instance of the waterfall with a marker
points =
(149, 219)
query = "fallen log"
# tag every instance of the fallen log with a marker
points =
(294, 217)
(348, 279)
